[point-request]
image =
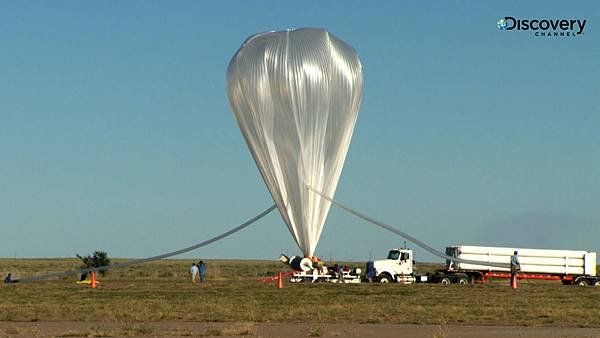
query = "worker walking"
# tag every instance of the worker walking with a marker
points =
(202, 270)
(514, 267)
(194, 272)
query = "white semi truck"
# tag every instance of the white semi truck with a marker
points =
(570, 267)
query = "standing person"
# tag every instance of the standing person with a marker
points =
(202, 269)
(336, 271)
(371, 275)
(514, 267)
(339, 271)
(194, 272)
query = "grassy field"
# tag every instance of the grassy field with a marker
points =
(162, 291)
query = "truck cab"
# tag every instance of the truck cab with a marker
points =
(397, 267)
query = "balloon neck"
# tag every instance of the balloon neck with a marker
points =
(314, 259)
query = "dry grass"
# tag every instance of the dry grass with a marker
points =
(240, 329)
(87, 333)
(161, 291)
(315, 331)
(18, 330)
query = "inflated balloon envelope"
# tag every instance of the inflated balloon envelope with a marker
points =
(296, 96)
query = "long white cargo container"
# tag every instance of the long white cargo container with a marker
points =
(568, 265)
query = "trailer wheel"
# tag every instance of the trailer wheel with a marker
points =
(385, 278)
(597, 283)
(445, 280)
(463, 280)
(582, 282)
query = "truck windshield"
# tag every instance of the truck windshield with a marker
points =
(393, 255)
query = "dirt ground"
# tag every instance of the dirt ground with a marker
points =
(203, 329)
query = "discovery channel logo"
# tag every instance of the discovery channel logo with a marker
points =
(544, 27)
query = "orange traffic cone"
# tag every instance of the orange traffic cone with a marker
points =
(513, 281)
(280, 280)
(93, 279)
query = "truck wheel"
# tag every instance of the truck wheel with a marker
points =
(597, 283)
(463, 280)
(385, 278)
(582, 282)
(445, 280)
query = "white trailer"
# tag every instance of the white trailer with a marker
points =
(569, 266)
(306, 272)
(352, 276)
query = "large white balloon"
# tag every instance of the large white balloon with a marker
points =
(296, 95)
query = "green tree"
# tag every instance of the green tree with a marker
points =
(97, 259)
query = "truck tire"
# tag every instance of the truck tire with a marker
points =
(384, 278)
(463, 280)
(445, 280)
(582, 282)
(597, 283)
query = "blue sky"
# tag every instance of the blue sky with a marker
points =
(116, 132)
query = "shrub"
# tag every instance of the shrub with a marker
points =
(97, 259)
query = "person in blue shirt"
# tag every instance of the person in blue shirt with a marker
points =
(514, 267)
(202, 268)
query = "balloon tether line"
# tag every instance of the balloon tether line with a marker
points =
(153, 258)
(405, 235)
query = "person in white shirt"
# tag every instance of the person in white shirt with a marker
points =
(194, 271)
